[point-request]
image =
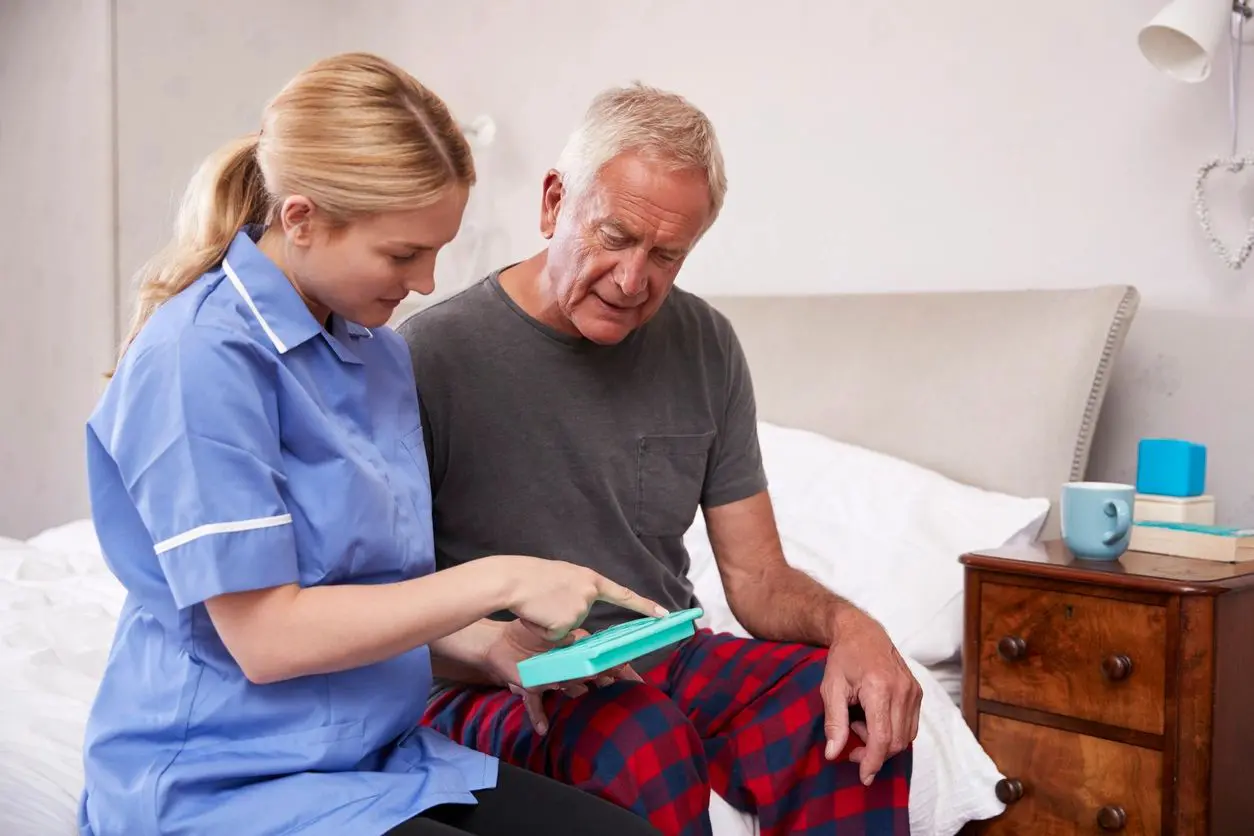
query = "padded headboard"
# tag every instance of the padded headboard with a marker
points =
(999, 389)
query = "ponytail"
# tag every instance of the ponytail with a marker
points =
(226, 193)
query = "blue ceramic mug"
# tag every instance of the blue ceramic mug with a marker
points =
(1097, 519)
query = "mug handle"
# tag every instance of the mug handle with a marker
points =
(1118, 509)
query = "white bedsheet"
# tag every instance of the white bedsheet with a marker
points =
(949, 676)
(58, 607)
(57, 614)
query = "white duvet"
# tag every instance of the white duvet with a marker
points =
(58, 606)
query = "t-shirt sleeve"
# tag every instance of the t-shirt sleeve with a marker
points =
(197, 448)
(735, 468)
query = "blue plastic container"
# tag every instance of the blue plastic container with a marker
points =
(1170, 467)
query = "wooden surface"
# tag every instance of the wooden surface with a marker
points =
(1133, 571)
(1114, 697)
(1077, 779)
(1037, 651)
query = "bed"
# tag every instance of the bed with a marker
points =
(898, 430)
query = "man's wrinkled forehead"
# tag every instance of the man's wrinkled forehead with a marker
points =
(643, 203)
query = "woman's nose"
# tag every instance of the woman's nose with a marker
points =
(422, 281)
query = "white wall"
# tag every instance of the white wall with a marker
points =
(870, 146)
(56, 251)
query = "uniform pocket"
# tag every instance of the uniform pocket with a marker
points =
(669, 481)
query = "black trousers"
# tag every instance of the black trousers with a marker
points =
(526, 804)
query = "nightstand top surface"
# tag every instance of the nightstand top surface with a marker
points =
(1136, 570)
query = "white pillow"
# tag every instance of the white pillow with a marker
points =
(884, 533)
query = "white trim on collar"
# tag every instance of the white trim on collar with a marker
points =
(252, 306)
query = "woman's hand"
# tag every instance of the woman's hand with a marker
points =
(517, 641)
(554, 597)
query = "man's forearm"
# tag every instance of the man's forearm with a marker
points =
(771, 599)
(462, 655)
(787, 605)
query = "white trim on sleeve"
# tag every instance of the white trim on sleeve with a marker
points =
(220, 528)
(252, 306)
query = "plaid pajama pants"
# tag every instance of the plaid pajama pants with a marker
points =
(739, 716)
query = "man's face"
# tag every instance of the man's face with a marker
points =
(616, 249)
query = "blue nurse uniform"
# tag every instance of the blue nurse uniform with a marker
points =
(241, 446)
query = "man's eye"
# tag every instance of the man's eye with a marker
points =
(403, 259)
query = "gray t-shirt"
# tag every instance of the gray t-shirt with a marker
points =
(545, 444)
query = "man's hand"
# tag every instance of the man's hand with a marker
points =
(516, 642)
(864, 667)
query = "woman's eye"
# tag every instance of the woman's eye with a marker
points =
(403, 259)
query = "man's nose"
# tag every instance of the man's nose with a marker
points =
(633, 277)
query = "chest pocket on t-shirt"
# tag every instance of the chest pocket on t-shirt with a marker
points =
(670, 478)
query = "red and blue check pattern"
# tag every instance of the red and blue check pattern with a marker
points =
(739, 716)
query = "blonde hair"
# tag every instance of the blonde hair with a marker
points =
(354, 133)
(639, 119)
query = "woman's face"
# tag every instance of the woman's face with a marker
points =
(364, 269)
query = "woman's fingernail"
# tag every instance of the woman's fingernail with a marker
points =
(662, 612)
(543, 728)
(830, 754)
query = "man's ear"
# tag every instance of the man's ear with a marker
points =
(297, 217)
(551, 203)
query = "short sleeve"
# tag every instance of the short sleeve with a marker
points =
(196, 443)
(735, 469)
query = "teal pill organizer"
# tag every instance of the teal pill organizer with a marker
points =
(601, 651)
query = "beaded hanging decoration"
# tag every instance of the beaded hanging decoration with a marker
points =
(1233, 164)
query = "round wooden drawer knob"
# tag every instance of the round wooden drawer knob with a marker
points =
(1009, 790)
(1111, 817)
(1117, 666)
(1011, 648)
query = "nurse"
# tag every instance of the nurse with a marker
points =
(260, 487)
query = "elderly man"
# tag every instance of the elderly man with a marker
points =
(578, 406)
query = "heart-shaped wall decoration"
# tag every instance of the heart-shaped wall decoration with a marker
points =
(1234, 165)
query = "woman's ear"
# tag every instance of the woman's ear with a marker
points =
(297, 217)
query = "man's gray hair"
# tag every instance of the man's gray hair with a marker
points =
(654, 123)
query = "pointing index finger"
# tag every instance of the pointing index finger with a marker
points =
(609, 591)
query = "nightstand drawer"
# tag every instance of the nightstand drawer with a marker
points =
(1080, 656)
(1061, 782)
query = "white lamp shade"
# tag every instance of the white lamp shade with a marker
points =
(1181, 39)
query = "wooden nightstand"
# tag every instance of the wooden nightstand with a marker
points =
(1113, 696)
